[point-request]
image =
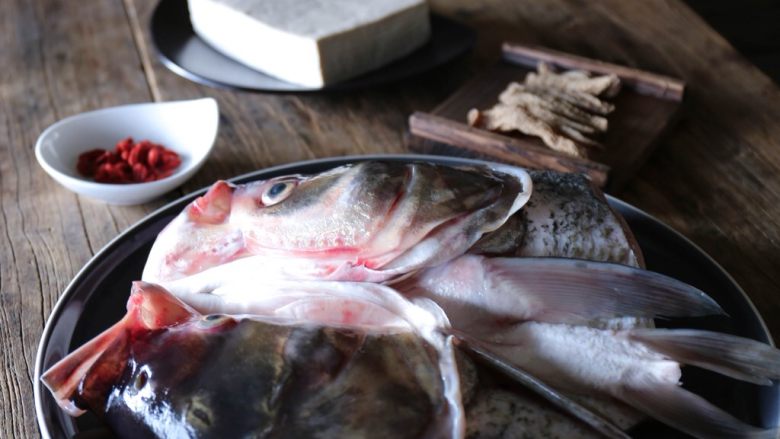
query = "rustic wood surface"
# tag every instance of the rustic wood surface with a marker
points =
(427, 128)
(644, 109)
(714, 178)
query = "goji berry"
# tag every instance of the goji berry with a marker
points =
(140, 172)
(138, 153)
(170, 160)
(124, 145)
(153, 156)
(88, 161)
(129, 162)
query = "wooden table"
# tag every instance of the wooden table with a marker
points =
(715, 177)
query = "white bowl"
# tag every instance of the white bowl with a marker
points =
(187, 127)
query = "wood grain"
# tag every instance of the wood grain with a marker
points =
(714, 178)
(501, 148)
(645, 108)
(644, 82)
(55, 63)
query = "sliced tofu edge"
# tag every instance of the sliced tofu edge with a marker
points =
(304, 60)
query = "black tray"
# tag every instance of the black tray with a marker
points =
(96, 298)
(186, 54)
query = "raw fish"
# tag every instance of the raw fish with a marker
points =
(367, 221)
(166, 370)
(463, 243)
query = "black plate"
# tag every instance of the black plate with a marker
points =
(96, 298)
(186, 54)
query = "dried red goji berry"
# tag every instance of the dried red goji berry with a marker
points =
(140, 172)
(170, 160)
(124, 145)
(153, 156)
(152, 176)
(103, 173)
(109, 157)
(138, 153)
(88, 161)
(129, 162)
(125, 170)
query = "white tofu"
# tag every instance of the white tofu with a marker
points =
(312, 42)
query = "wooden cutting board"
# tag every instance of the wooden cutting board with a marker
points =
(645, 107)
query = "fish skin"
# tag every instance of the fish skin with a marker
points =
(562, 222)
(366, 221)
(634, 372)
(566, 216)
(334, 378)
(497, 413)
(573, 219)
(293, 381)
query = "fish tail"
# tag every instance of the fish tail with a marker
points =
(736, 357)
(690, 413)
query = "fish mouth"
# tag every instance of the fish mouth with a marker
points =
(102, 359)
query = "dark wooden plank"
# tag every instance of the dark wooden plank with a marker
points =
(644, 109)
(57, 59)
(643, 82)
(505, 149)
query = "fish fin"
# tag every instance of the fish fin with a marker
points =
(690, 413)
(737, 357)
(214, 206)
(572, 290)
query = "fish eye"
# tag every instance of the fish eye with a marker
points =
(277, 192)
(141, 379)
(214, 320)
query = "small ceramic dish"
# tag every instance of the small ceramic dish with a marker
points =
(187, 127)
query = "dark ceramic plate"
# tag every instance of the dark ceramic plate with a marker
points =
(182, 51)
(96, 298)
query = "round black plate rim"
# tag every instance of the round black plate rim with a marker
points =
(296, 167)
(467, 40)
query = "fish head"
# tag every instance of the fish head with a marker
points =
(167, 371)
(297, 380)
(366, 214)
(330, 214)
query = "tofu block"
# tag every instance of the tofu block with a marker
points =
(312, 42)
